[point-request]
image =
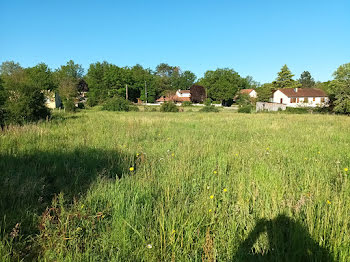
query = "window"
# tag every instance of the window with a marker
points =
(298, 100)
(293, 100)
(314, 99)
(281, 100)
(322, 99)
(306, 100)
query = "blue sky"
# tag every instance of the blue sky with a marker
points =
(253, 37)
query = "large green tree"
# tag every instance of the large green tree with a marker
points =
(41, 77)
(306, 80)
(341, 85)
(265, 92)
(222, 84)
(285, 79)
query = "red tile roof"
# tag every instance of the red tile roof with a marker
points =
(303, 92)
(184, 91)
(246, 91)
(174, 98)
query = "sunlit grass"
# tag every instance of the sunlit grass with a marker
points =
(173, 186)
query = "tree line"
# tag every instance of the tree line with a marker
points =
(22, 96)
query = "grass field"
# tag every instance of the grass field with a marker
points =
(150, 186)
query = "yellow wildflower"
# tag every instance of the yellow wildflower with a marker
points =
(210, 210)
(173, 232)
(329, 202)
(346, 169)
(131, 168)
(79, 229)
(172, 154)
(267, 148)
(82, 206)
(236, 154)
(212, 196)
(215, 172)
(225, 189)
(137, 154)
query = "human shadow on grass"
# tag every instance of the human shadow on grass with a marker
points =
(288, 241)
(29, 181)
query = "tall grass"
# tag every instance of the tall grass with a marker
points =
(202, 186)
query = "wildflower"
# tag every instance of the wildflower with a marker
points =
(149, 246)
(173, 232)
(172, 154)
(346, 169)
(225, 189)
(79, 229)
(267, 148)
(137, 154)
(329, 202)
(215, 172)
(305, 158)
(210, 210)
(131, 168)
(236, 154)
(82, 206)
(212, 196)
(319, 152)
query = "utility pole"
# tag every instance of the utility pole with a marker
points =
(126, 92)
(145, 91)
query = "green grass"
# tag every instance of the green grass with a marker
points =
(69, 185)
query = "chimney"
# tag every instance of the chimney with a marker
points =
(296, 90)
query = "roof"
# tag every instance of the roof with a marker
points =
(174, 98)
(303, 92)
(184, 91)
(246, 91)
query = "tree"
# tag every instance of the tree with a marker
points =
(306, 80)
(285, 79)
(265, 92)
(222, 84)
(8, 68)
(342, 89)
(41, 77)
(198, 93)
(3, 97)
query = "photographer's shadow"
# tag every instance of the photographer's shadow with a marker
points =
(288, 241)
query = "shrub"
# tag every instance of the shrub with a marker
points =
(209, 109)
(245, 109)
(207, 102)
(150, 109)
(168, 107)
(298, 110)
(26, 104)
(187, 103)
(117, 104)
(69, 105)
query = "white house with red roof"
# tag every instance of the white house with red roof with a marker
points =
(251, 92)
(300, 97)
(180, 96)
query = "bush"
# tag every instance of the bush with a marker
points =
(207, 102)
(117, 104)
(69, 105)
(298, 110)
(168, 107)
(209, 109)
(26, 105)
(187, 103)
(245, 109)
(81, 105)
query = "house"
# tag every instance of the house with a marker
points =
(300, 97)
(251, 92)
(179, 97)
(52, 99)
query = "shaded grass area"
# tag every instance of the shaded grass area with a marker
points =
(226, 186)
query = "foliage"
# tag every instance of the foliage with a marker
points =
(207, 102)
(68, 91)
(246, 108)
(222, 84)
(209, 108)
(265, 92)
(306, 80)
(117, 104)
(243, 99)
(186, 103)
(298, 110)
(198, 93)
(285, 79)
(342, 89)
(169, 107)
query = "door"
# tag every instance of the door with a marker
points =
(281, 101)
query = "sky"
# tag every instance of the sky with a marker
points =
(254, 37)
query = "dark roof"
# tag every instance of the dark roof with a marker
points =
(303, 92)
(184, 91)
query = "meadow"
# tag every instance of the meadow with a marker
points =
(188, 186)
